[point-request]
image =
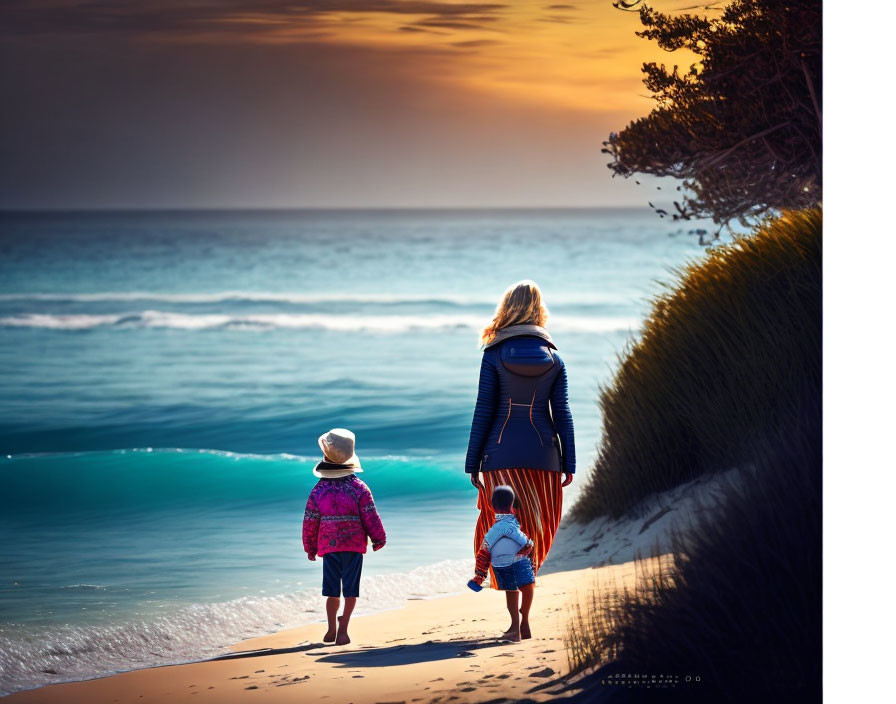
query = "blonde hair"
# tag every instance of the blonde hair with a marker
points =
(520, 305)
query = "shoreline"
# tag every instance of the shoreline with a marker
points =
(425, 651)
(193, 633)
(436, 628)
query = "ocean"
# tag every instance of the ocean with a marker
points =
(164, 377)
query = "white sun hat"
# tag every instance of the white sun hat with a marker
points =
(340, 460)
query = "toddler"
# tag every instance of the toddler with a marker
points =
(506, 549)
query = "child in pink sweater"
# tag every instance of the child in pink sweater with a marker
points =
(339, 518)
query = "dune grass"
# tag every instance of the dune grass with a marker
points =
(726, 374)
(729, 357)
(742, 606)
(593, 620)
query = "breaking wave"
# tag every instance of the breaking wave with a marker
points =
(388, 324)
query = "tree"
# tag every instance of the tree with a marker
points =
(742, 126)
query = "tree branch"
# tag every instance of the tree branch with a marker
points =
(812, 93)
(746, 140)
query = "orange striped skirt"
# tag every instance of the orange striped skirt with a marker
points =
(540, 500)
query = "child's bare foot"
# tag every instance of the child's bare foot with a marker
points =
(512, 629)
(525, 632)
(342, 634)
(329, 636)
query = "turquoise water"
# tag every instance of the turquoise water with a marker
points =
(164, 377)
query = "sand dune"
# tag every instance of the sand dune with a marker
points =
(645, 531)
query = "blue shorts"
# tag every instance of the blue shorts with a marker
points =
(342, 568)
(515, 575)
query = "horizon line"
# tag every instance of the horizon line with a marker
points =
(313, 209)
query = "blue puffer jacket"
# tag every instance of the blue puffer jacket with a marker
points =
(512, 424)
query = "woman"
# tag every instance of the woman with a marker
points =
(522, 432)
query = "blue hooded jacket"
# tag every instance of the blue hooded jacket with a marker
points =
(513, 426)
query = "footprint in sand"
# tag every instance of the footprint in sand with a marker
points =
(294, 680)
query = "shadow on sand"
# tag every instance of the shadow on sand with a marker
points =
(373, 656)
(239, 655)
(429, 651)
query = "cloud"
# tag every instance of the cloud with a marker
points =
(559, 19)
(185, 17)
(474, 21)
(604, 53)
(475, 43)
(450, 24)
(561, 7)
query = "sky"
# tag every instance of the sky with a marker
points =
(327, 103)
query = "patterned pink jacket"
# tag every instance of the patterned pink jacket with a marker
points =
(339, 516)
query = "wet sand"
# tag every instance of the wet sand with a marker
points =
(430, 651)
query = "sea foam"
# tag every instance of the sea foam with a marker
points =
(384, 324)
(35, 656)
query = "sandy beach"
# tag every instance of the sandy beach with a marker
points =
(431, 651)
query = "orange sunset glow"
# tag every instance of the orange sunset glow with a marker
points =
(283, 104)
(582, 55)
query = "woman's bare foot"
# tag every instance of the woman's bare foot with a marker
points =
(512, 635)
(329, 636)
(342, 634)
(525, 632)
